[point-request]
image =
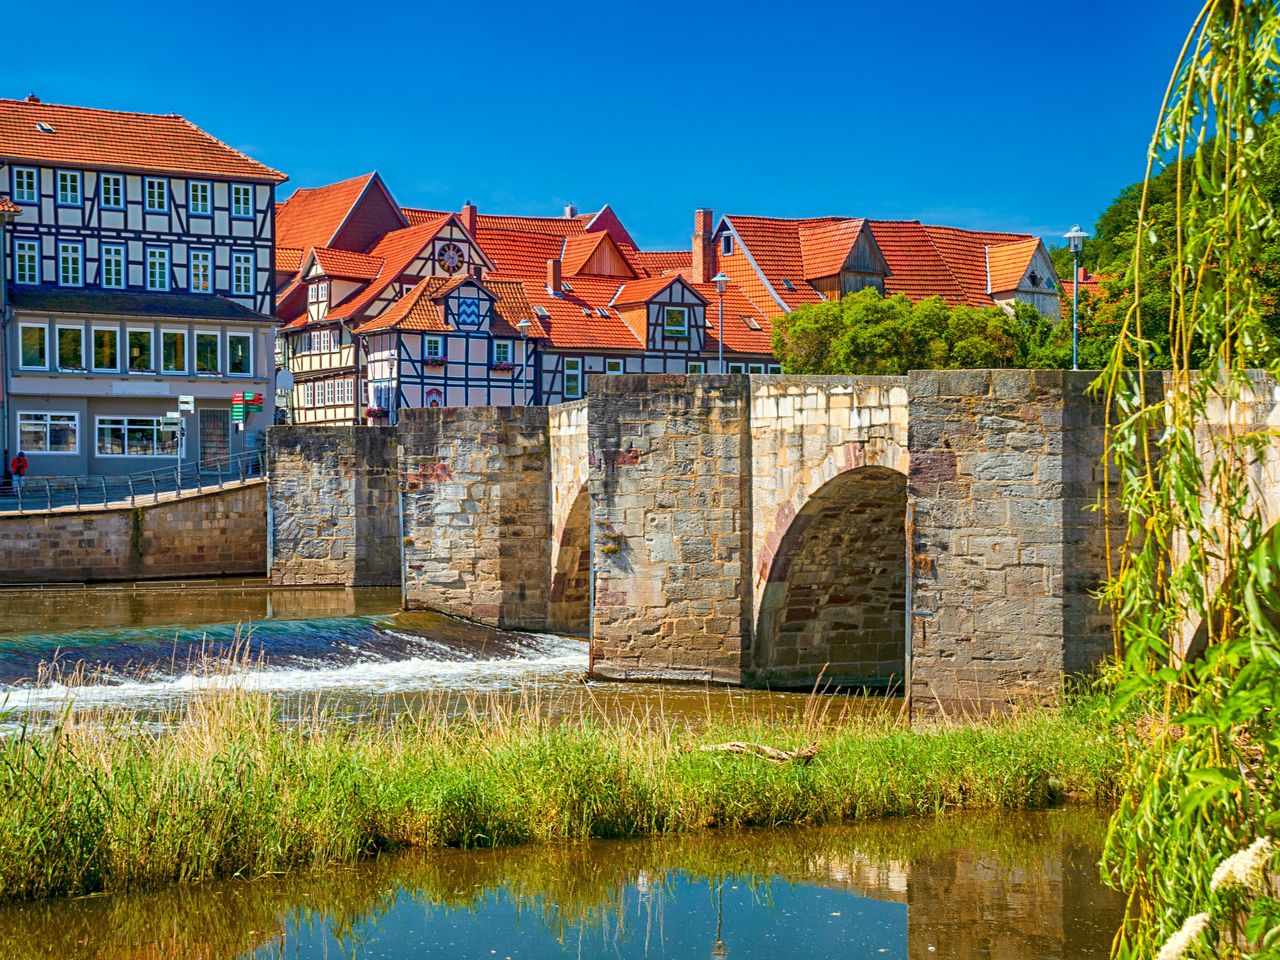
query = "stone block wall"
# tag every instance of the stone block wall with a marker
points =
(333, 506)
(569, 608)
(1004, 468)
(476, 501)
(671, 517)
(208, 535)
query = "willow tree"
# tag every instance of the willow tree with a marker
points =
(1196, 585)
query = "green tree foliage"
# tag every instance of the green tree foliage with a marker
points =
(867, 333)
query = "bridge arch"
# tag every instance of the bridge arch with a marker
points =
(833, 601)
(569, 610)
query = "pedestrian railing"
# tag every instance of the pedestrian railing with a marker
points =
(88, 493)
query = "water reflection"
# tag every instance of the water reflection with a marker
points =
(965, 887)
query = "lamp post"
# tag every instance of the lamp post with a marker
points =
(1075, 240)
(722, 284)
(523, 326)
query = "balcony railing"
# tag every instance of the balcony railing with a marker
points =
(94, 493)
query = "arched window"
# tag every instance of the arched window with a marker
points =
(435, 398)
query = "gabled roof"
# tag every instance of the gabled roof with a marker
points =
(422, 308)
(312, 216)
(397, 250)
(773, 243)
(917, 268)
(8, 206)
(655, 262)
(741, 320)
(120, 140)
(1007, 263)
(642, 291)
(288, 259)
(579, 251)
(345, 265)
(582, 318)
(825, 246)
(517, 253)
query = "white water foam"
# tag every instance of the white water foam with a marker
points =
(553, 656)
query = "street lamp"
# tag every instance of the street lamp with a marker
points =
(1075, 240)
(523, 326)
(722, 284)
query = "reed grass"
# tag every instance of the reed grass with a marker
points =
(101, 802)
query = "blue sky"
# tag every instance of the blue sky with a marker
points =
(1000, 115)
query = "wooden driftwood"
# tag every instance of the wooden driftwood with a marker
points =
(772, 754)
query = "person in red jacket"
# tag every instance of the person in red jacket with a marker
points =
(18, 467)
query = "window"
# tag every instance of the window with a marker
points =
(201, 271)
(142, 351)
(156, 194)
(70, 264)
(308, 394)
(789, 285)
(242, 274)
(137, 437)
(675, 321)
(318, 292)
(435, 348)
(240, 354)
(157, 268)
(208, 359)
(25, 189)
(346, 391)
(380, 395)
(70, 193)
(26, 261)
(34, 346)
(613, 366)
(106, 349)
(502, 351)
(70, 348)
(242, 201)
(697, 367)
(113, 266)
(173, 351)
(327, 386)
(726, 244)
(736, 368)
(775, 368)
(111, 191)
(755, 368)
(572, 377)
(198, 198)
(48, 432)
(318, 341)
(751, 322)
(541, 312)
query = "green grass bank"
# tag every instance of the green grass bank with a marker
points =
(105, 803)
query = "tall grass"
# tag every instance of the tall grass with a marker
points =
(103, 803)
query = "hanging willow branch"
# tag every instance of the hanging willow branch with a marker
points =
(1195, 585)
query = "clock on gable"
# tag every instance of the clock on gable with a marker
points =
(450, 257)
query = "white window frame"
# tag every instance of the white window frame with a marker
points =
(726, 245)
(205, 255)
(701, 367)
(308, 394)
(146, 267)
(755, 368)
(239, 259)
(204, 208)
(346, 391)
(57, 346)
(667, 331)
(93, 349)
(106, 252)
(128, 365)
(775, 368)
(48, 358)
(195, 353)
(252, 204)
(46, 415)
(735, 367)
(242, 336)
(118, 180)
(572, 365)
(502, 343)
(26, 248)
(124, 419)
(159, 188)
(20, 195)
(186, 345)
(613, 366)
(433, 342)
(65, 199)
(78, 247)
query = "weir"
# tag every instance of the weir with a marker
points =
(933, 533)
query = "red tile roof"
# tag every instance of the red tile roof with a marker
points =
(825, 246)
(398, 249)
(642, 291)
(345, 265)
(289, 259)
(1007, 263)
(915, 266)
(740, 316)
(8, 206)
(578, 252)
(655, 262)
(569, 327)
(517, 253)
(119, 140)
(774, 244)
(312, 215)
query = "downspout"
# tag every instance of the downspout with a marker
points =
(5, 312)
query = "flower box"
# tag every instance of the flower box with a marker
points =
(502, 365)
(435, 362)
(373, 412)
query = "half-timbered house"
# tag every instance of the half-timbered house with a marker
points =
(139, 271)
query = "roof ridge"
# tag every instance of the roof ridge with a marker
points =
(222, 143)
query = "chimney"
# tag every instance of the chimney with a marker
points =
(32, 98)
(553, 277)
(704, 254)
(1082, 274)
(570, 211)
(469, 217)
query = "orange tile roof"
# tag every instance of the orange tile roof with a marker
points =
(739, 315)
(345, 265)
(8, 206)
(654, 262)
(568, 327)
(825, 246)
(641, 291)
(964, 253)
(422, 308)
(513, 306)
(516, 253)
(578, 252)
(1007, 263)
(119, 140)
(916, 269)
(289, 259)
(312, 215)
(774, 244)
(398, 249)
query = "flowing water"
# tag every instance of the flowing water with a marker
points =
(1008, 886)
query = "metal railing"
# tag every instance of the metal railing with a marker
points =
(94, 493)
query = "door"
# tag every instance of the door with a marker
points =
(215, 434)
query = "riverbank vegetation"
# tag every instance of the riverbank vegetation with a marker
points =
(227, 789)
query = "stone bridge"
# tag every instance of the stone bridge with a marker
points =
(935, 532)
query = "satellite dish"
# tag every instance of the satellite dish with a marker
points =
(284, 380)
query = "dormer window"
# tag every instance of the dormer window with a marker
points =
(318, 292)
(675, 321)
(726, 244)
